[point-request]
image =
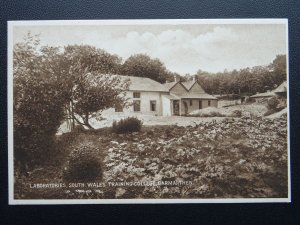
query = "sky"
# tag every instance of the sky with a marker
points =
(183, 48)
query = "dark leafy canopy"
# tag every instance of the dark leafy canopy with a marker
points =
(38, 101)
(245, 81)
(141, 65)
(89, 91)
(95, 93)
(83, 58)
(51, 85)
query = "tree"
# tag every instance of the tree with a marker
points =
(38, 102)
(141, 65)
(94, 93)
(278, 66)
(52, 85)
(91, 87)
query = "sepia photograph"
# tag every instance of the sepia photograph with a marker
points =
(148, 111)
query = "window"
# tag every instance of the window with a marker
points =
(136, 94)
(208, 102)
(137, 105)
(118, 108)
(200, 104)
(191, 102)
(153, 106)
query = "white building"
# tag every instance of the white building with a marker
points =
(148, 97)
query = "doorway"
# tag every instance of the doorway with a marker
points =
(200, 104)
(186, 109)
(176, 107)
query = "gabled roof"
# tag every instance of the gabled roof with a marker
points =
(169, 85)
(281, 88)
(188, 84)
(143, 84)
(263, 95)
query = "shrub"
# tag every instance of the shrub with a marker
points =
(213, 114)
(38, 105)
(272, 103)
(128, 125)
(237, 113)
(249, 100)
(35, 125)
(272, 111)
(84, 164)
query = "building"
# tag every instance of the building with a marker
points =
(280, 91)
(185, 97)
(148, 97)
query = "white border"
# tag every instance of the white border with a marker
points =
(12, 24)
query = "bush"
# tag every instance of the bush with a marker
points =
(249, 100)
(128, 125)
(272, 103)
(213, 114)
(272, 111)
(237, 113)
(35, 125)
(84, 164)
(38, 104)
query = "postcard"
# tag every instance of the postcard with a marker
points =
(148, 111)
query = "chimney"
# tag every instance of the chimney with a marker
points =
(194, 79)
(175, 78)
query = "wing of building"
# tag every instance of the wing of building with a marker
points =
(281, 91)
(149, 97)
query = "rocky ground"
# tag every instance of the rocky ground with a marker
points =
(231, 158)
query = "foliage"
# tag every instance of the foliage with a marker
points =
(51, 85)
(274, 110)
(95, 93)
(213, 114)
(245, 81)
(84, 164)
(90, 88)
(272, 103)
(237, 158)
(128, 125)
(141, 65)
(237, 113)
(249, 100)
(210, 112)
(38, 102)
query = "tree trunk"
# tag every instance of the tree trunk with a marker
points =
(72, 115)
(86, 121)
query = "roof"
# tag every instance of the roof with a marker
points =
(263, 95)
(171, 97)
(188, 84)
(143, 84)
(197, 96)
(169, 85)
(281, 88)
